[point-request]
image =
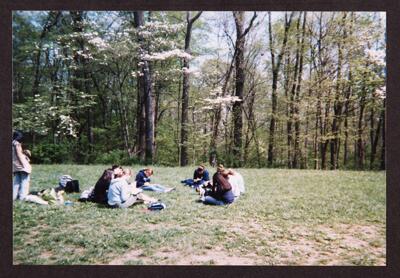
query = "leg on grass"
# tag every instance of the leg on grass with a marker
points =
(212, 201)
(131, 200)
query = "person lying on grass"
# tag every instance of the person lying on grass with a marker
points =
(221, 190)
(143, 182)
(200, 177)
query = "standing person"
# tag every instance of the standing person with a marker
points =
(200, 176)
(143, 182)
(221, 190)
(21, 168)
(120, 192)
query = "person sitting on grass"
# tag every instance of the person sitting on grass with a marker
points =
(200, 177)
(221, 190)
(143, 182)
(100, 190)
(236, 181)
(120, 191)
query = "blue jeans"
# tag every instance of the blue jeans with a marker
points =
(191, 182)
(21, 185)
(212, 201)
(154, 187)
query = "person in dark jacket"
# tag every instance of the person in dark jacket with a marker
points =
(221, 190)
(200, 176)
(99, 193)
(143, 182)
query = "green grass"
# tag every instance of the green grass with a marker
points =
(286, 217)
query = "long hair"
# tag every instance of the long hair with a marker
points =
(18, 136)
(107, 175)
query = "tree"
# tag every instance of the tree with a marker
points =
(185, 91)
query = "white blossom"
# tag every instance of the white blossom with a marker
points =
(377, 56)
(99, 43)
(167, 54)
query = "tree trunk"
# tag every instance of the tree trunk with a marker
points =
(383, 151)
(239, 86)
(51, 21)
(275, 71)
(148, 96)
(185, 92)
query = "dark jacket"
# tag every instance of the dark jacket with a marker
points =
(99, 194)
(204, 176)
(222, 189)
(141, 179)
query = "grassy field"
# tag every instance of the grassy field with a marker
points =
(286, 217)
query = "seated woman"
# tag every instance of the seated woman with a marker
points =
(236, 181)
(99, 193)
(143, 182)
(221, 190)
(200, 177)
(120, 191)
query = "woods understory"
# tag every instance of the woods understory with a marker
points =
(249, 89)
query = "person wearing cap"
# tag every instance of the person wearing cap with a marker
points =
(221, 190)
(143, 182)
(21, 168)
(200, 176)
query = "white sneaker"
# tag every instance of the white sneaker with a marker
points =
(202, 192)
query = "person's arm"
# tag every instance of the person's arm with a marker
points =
(206, 176)
(20, 155)
(126, 190)
(224, 183)
(139, 180)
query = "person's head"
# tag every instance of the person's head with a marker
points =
(18, 136)
(220, 168)
(118, 172)
(201, 168)
(148, 172)
(225, 173)
(108, 174)
(114, 166)
(127, 172)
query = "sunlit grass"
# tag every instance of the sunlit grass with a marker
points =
(282, 211)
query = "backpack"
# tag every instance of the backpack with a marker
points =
(72, 186)
(157, 206)
(67, 184)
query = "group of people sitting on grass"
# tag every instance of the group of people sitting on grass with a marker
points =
(224, 188)
(115, 189)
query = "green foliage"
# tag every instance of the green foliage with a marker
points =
(52, 153)
(114, 157)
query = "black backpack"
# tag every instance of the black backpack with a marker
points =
(72, 186)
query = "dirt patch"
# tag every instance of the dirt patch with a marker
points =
(334, 245)
(213, 257)
(130, 256)
(339, 244)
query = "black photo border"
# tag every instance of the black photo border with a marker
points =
(392, 268)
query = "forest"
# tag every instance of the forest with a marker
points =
(293, 89)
